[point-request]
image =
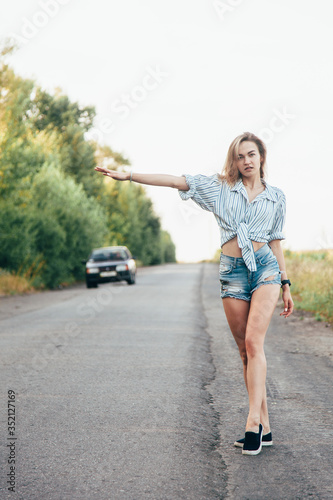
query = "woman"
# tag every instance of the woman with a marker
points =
(250, 214)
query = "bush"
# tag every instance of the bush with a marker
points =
(53, 231)
(66, 225)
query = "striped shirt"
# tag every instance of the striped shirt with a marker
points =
(261, 220)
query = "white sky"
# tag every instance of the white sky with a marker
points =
(223, 67)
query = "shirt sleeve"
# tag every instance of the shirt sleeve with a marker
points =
(203, 190)
(279, 220)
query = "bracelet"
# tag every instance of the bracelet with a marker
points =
(131, 176)
(285, 282)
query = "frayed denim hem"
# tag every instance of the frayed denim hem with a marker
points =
(234, 296)
(270, 282)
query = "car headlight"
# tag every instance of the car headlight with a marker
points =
(121, 267)
(92, 270)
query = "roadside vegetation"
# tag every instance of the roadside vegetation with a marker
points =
(11, 283)
(54, 208)
(311, 275)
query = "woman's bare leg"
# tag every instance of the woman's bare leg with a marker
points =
(237, 312)
(263, 303)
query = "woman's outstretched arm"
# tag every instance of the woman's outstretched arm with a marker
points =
(166, 180)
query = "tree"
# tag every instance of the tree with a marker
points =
(132, 222)
(168, 248)
(70, 121)
(54, 208)
(66, 224)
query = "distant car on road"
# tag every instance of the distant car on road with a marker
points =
(110, 264)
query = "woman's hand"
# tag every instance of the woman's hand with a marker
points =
(288, 302)
(119, 176)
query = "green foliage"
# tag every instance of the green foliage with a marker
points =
(168, 248)
(132, 222)
(16, 238)
(66, 224)
(23, 149)
(58, 228)
(59, 112)
(54, 208)
(70, 121)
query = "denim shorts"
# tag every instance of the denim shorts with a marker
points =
(239, 282)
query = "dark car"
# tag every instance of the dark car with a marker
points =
(110, 264)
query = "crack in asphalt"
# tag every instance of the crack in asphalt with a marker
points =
(202, 349)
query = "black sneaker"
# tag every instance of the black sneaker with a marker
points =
(252, 444)
(266, 440)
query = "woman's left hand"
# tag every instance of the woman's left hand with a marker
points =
(288, 302)
(115, 174)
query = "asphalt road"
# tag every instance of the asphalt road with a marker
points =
(136, 392)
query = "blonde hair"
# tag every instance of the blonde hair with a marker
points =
(230, 172)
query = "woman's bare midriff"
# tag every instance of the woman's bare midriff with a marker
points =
(232, 249)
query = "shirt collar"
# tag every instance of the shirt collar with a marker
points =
(269, 192)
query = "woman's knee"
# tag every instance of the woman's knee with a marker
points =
(253, 347)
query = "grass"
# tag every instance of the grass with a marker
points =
(311, 274)
(22, 281)
(12, 284)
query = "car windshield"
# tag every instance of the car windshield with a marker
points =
(99, 255)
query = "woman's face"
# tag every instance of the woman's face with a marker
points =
(248, 161)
